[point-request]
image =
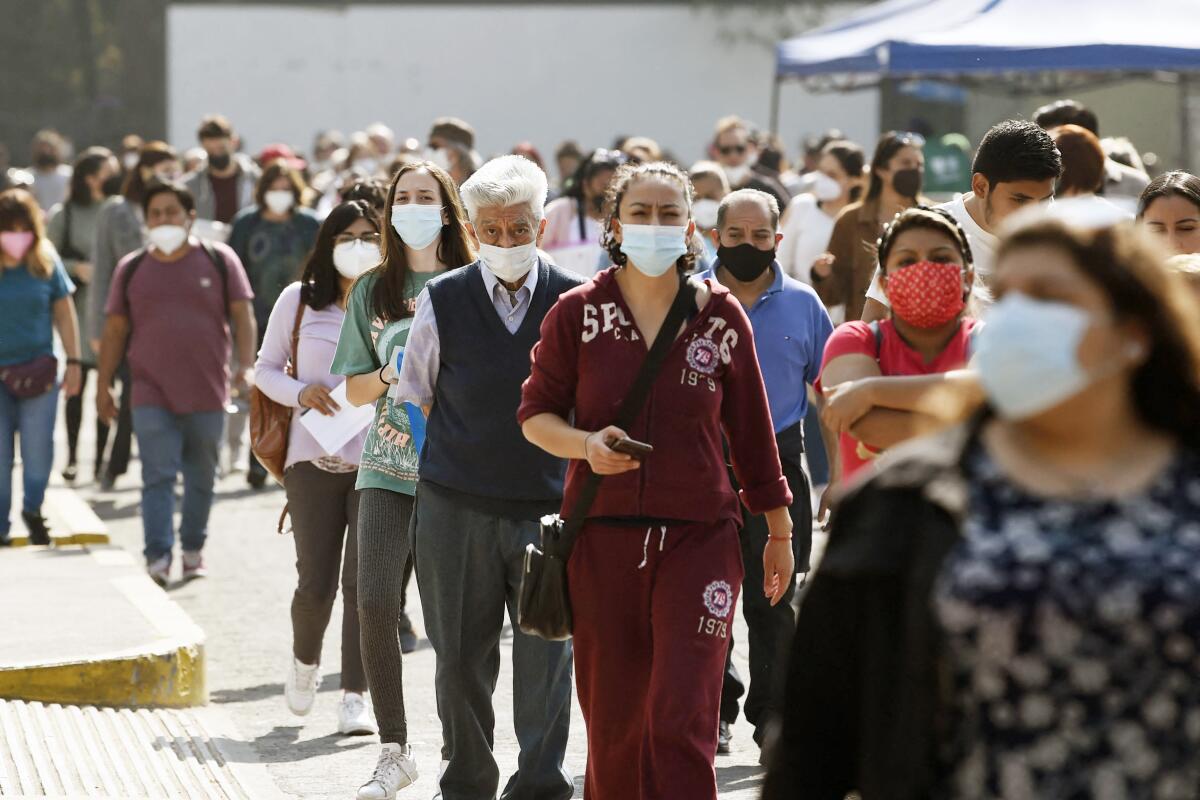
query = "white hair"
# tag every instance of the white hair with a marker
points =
(506, 181)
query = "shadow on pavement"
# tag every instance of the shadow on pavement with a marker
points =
(265, 691)
(732, 779)
(283, 745)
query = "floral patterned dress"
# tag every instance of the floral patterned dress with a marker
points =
(1073, 630)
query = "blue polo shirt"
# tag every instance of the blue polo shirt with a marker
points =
(791, 326)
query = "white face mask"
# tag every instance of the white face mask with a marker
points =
(418, 225)
(653, 249)
(130, 159)
(705, 213)
(509, 264)
(279, 201)
(166, 239)
(825, 188)
(738, 175)
(354, 258)
(1027, 355)
(438, 156)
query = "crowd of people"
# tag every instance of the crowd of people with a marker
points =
(991, 400)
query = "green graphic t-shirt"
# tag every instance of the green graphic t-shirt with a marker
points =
(389, 458)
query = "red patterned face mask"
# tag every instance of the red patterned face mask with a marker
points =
(926, 294)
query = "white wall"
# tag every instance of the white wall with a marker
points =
(543, 73)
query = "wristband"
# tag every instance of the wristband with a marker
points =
(74, 361)
(585, 444)
(787, 538)
(380, 374)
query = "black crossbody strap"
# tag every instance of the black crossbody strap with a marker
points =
(632, 405)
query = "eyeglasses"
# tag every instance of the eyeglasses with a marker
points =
(732, 149)
(368, 238)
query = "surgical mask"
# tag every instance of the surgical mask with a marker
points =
(509, 264)
(220, 161)
(438, 156)
(653, 249)
(738, 175)
(16, 244)
(927, 294)
(280, 201)
(130, 159)
(745, 261)
(907, 182)
(825, 188)
(705, 213)
(352, 259)
(166, 239)
(418, 225)
(1027, 355)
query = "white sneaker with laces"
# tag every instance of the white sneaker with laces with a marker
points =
(396, 769)
(354, 716)
(301, 686)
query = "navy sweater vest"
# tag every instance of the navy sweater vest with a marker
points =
(474, 446)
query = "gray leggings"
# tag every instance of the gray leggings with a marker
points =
(383, 548)
(322, 506)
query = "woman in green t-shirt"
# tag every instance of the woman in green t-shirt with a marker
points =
(427, 236)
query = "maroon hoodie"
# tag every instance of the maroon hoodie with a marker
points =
(709, 383)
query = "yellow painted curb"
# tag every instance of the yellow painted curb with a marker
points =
(173, 678)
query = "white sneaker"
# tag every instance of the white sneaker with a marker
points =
(160, 570)
(396, 769)
(301, 686)
(354, 716)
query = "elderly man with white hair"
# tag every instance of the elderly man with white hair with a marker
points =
(483, 488)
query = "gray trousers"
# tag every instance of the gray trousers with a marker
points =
(383, 548)
(323, 506)
(469, 568)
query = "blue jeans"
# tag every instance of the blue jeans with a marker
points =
(33, 420)
(171, 444)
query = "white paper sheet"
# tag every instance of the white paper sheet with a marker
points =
(332, 433)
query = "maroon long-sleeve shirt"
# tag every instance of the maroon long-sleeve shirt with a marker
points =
(589, 354)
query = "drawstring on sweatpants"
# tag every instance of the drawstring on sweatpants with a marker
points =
(646, 544)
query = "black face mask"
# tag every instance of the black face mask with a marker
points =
(907, 182)
(112, 186)
(45, 160)
(220, 162)
(745, 262)
(598, 203)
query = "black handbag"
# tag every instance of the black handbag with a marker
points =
(544, 607)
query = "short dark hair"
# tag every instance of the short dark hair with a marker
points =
(1177, 183)
(1066, 112)
(1017, 150)
(169, 187)
(214, 126)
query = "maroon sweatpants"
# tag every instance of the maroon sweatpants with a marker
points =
(652, 616)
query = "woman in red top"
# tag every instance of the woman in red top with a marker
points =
(655, 572)
(928, 277)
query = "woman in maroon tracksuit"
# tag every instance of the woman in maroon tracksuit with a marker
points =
(655, 573)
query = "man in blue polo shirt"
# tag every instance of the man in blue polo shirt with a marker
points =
(790, 328)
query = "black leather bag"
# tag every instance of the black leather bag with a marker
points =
(544, 607)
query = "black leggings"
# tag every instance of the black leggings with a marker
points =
(73, 412)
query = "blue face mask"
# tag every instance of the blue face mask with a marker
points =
(1027, 355)
(653, 249)
(417, 224)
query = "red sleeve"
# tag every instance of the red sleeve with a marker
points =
(851, 338)
(115, 302)
(237, 284)
(550, 387)
(746, 418)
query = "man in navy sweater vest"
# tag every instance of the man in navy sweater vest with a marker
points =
(483, 488)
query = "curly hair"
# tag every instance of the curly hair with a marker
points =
(930, 218)
(1127, 268)
(626, 176)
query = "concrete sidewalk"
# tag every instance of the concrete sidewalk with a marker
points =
(88, 626)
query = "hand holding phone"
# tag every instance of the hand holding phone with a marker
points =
(630, 447)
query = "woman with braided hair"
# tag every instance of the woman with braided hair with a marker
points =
(927, 276)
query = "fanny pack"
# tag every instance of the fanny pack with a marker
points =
(31, 378)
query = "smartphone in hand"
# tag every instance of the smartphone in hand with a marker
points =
(630, 447)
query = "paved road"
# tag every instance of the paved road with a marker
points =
(243, 607)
